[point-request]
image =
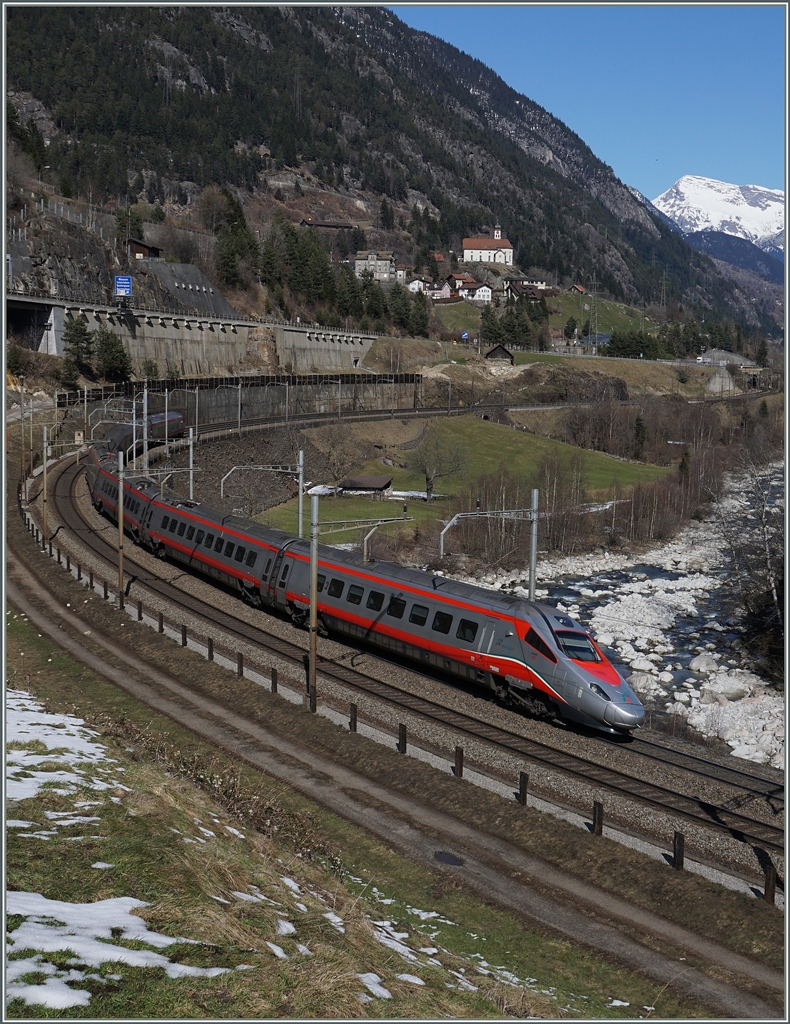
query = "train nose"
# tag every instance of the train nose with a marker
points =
(624, 716)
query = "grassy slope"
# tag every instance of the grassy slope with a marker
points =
(142, 835)
(488, 446)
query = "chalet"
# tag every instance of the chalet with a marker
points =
(479, 293)
(576, 289)
(489, 250)
(437, 256)
(142, 250)
(461, 281)
(379, 487)
(418, 284)
(380, 264)
(500, 354)
(439, 291)
(335, 225)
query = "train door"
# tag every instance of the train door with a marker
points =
(277, 584)
(487, 634)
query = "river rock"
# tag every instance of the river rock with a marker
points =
(682, 696)
(665, 677)
(704, 663)
(642, 665)
(644, 683)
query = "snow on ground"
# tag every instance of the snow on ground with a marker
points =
(57, 751)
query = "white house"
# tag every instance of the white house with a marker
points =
(418, 284)
(489, 250)
(439, 291)
(480, 293)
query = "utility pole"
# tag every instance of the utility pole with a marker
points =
(120, 528)
(145, 427)
(313, 599)
(46, 456)
(301, 491)
(191, 464)
(22, 467)
(533, 549)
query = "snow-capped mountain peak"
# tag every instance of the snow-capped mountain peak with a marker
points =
(747, 211)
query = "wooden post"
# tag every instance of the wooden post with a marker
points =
(57, 551)
(90, 580)
(459, 762)
(183, 636)
(79, 572)
(770, 884)
(105, 590)
(161, 623)
(678, 851)
(210, 651)
(597, 818)
(352, 721)
(523, 783)
(50, 549)
(139, 611)
(401, 739)
(239, 664)
(68, 564)
(274, 680)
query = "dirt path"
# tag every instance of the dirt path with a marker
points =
(493, 868)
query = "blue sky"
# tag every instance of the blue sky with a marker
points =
(656, 91)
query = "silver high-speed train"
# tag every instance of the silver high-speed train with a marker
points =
(529, 653)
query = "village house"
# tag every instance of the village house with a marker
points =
(439, 291)
(459, 281)
(380, 264)
(418, 284)
(478, 293)
(489, 250)
(401, 273)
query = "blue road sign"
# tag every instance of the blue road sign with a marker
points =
(465, 336)
(123, 285)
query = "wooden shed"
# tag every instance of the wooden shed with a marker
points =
(377, 486)
(499, 353)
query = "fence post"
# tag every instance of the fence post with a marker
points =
(210, 649)
(139, 611)
(523, 782)
(678, 851)
(183, 636)
(274, 680)
(106, 595)
(161, 623)
(401, 739)
(90, 580)
(239, 664)
(770, 884)
(352, 721)
(459, 762)
(79, 572)
(597, 818)
(121, 601)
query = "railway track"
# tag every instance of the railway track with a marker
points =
(724, 817)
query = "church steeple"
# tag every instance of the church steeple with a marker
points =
(497, 231)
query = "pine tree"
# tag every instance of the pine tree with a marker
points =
(78, 343)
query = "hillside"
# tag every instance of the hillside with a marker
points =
(339, 109)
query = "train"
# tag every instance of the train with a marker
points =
(161, 426)
(529, 654)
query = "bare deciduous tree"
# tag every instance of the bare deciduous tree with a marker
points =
(436, 457)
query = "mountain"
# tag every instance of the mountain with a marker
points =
(745, 211)
(336, 103)
(739, 252)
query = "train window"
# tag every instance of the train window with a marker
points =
(320, 583)
(190, 533)
(266, 570)
(165, 521)
(173, 525)
(577, 646)
(209, 540)
(418, 614)
(396, 608)
(181, 529)
(251, 557)
(442, 622)
(198, 538)
(284, 573)
(229, 548)
(375, 600)
(240, 553)
(537, 641)
(336, 588)
(467, 631)
(355, 594)
(218, 543)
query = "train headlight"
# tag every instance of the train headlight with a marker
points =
(600, 691)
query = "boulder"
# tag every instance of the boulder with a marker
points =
(665, 677)
(642, 665)
(704, 663)
(682, 696)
